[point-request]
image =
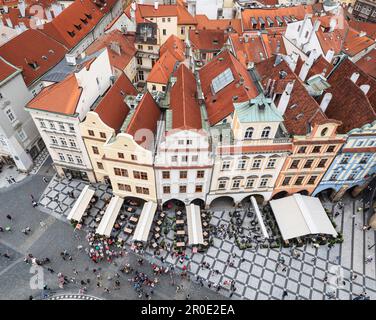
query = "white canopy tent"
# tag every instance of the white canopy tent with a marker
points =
(195, 235)
(109, 218)
(300, 215)
(144, 223)
(259, 218)
(81, 204)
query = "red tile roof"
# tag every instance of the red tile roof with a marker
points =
(74, 23)
(62, 97)
(175, 46)
(320, 66)
(297, 11)
(220, 105)
(367, 27)
(32, 46)
(113, 41)
(6, 69)
(184, 17)
(306, 110)
(162, 69)
(273, 43)
(147, 10)
(112, 108)
(203, 22)
(208, 40)
(368, 63)
(186, 112)
(145, 117)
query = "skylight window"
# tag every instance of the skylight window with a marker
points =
(222, 80)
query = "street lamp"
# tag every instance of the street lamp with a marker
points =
(56, 198)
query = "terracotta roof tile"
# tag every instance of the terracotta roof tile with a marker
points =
(145, 117)
(367, 27)
(74, 23)
(368, 63)
(208, 40)
(306, 110)
(203, 22)
(115, 41)
(62, 97)
(175, 46)
(112, 108)
(184, 17)
(6, 69)
(220, 105)
(162, 69)
(32, 46)
(186, 112)
(320, 66)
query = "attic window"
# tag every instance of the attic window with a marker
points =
(71, 33)
(299, 116)
(89, 16)
(235, 98)
(44, 57)
(84, 21)
(34, 65)
(293, 106)
(78, 26)
(215, 41)
(122, 93)
(51, 51)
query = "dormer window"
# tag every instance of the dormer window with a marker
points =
(78, 26)
(33, 65)
(89, 16)
(71, 33)
(248, 133)
(84, 21)
(265, 133)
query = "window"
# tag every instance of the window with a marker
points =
(91, 133)
(63, 141)
(166, 189)
(166, 174)
(308, 164)
(72, 143)
(331, 149)
(121, 172)
(102, 135)
(150, 48)
(312, 180)
(372, 142)
(164, 32)
(236, 184)
(183, 174)
(250, 183)
(200, 174)
(182, 189)
(10, 115)
(133, 157)
(22, 135)
(324, 132)
(139, 61)
(71, 127)
(352, 175)
(345, 159)
(184, 158)
(61, 157)
(264, 182)
(61, 126)
(141, 76)
(322, 163)
(163, 19)
(334, 176)
(182, 30)
(365, 159)
(221, 184)
(124, 187)
(302, 149)
(168, 19)
(53, 140)
(121, 155)
(189, 142)
(70, 158)
(299, 180)
(248, 133)
(100, 165)
(316, 149)
(241, 164)
(154, 87)
(256, 164)
(78, 159)
(194, 158)
(265, 133)
(198, 188)
(140, 47)
(140, 175)
(286, 181)
(42, 124)
(180, 142)
(294, 164)
(271, 163)
(164, 88)
(174, 158)
(225, 165)
(95, 150)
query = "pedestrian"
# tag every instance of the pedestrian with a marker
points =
(12, 179)
(285, 294)
(45, 180)
(31, 197)
(6, 255)
(51, 270)
(187, 297)
(34, 203)
(9, 217)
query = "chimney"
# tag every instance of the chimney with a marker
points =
(329, 55)
(48, 14)
(362, 34)
(22, 8)
(307, 65)
(9, 23)
(325, 101)
(332, 24)
(354, 77)
(156, 5)
(6, 10)
(285, 98)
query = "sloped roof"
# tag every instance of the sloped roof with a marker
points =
(32, 46)
(208, 40)
(203, 22)
(61, 98)
(6, 69)
(112, 108)
(367, 27)
(175, 46)
(74, 23)
(320, 66)
(368, 63)
(220, 105)
(186, 112)
(306, 110)
(145, 117)
(184, 17)
(115, 39)
(162, 69)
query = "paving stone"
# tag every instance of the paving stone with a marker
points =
(257, 271)
(223, 256)
(246, 266)
(230, 272)
(220, 266)
(242, 276)
(268, 275)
